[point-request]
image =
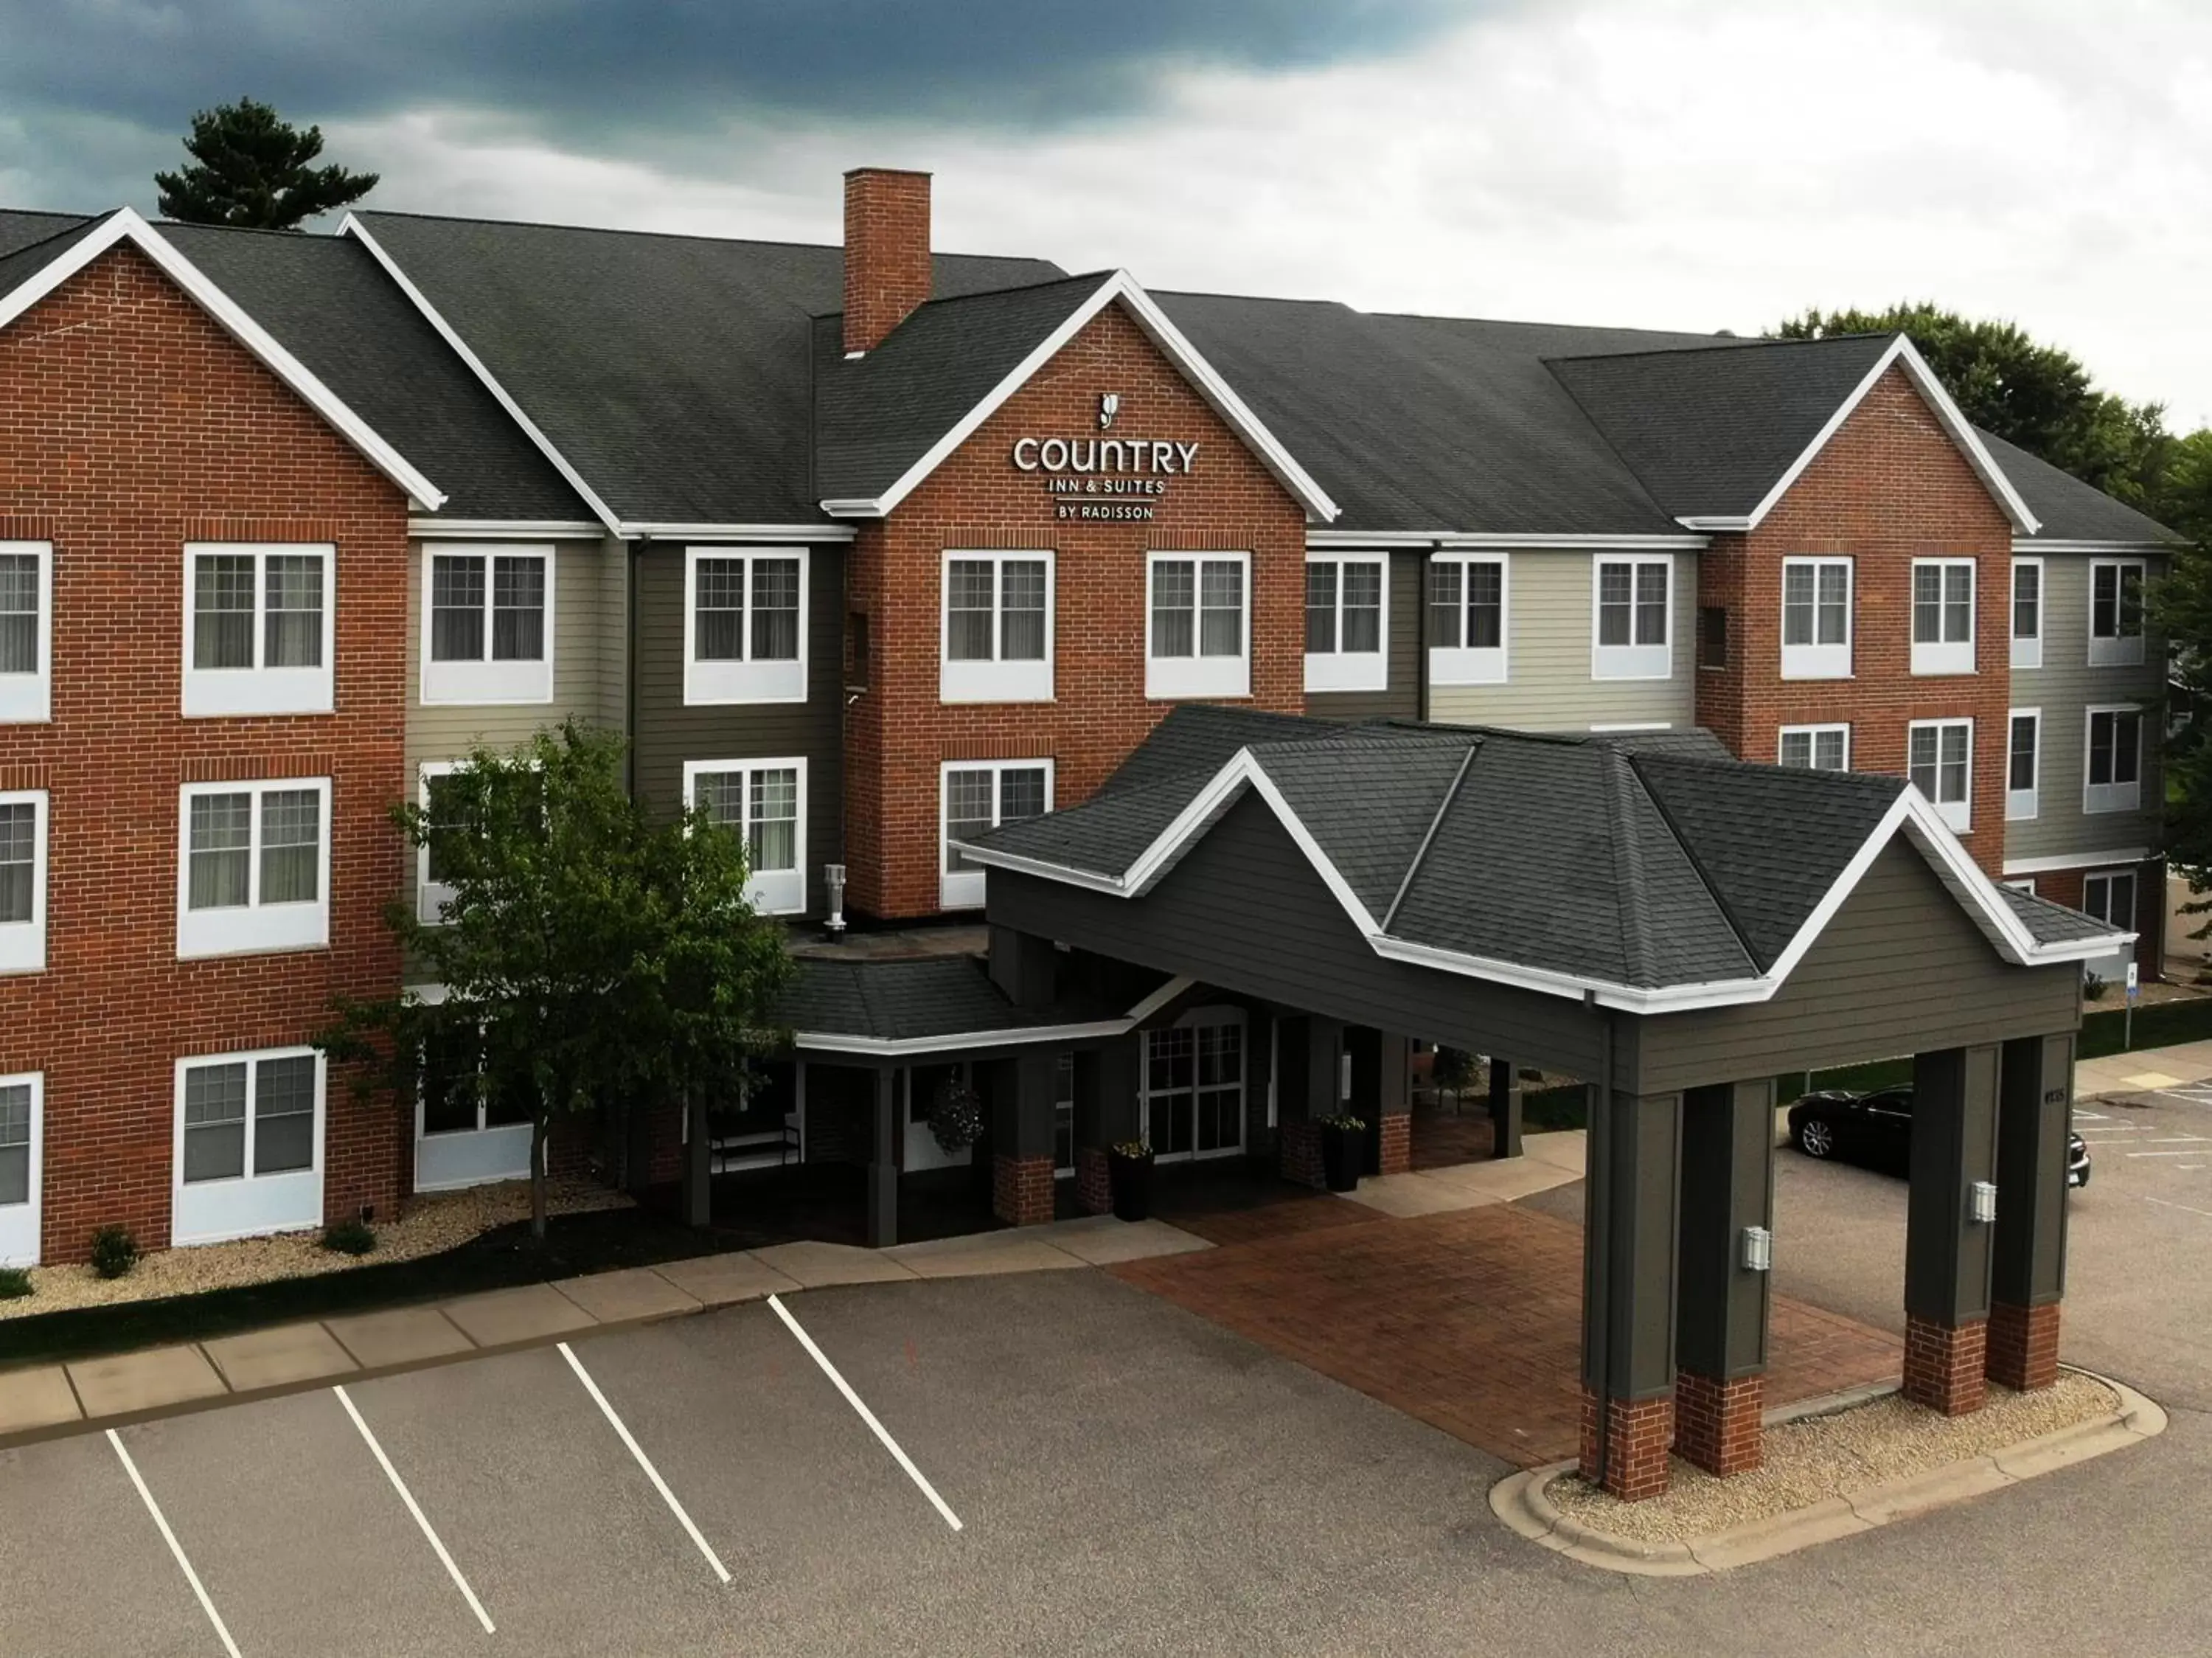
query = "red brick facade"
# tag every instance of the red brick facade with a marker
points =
(897, 733)
(1890, 486)
(1944, 1365)
(1298, 1154)
(1640, 1432)
(1094, 1180)
(1397, 1152)
(131, 424)
(2023, 1345)
(1717, 1422)
(1022, 1190)
(887, 266)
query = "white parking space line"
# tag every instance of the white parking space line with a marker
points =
(2184, 1208)
(2177, 1140)
(421, 1520)
(644, 1462)
(2164, 1154)
(867, 1415)
(175, 1549)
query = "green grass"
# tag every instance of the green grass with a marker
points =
(2156, 1026)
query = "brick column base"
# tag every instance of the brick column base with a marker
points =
(1397, 1142)
(1943, 1364)
(1094, 1185)
(1640, 1432)
(1021, 1190)
(1717, 1422)
(2023, 1345)
(1298, 1154)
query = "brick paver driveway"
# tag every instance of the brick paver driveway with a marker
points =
(1471, 1321)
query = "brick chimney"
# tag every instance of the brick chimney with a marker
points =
(886, 252)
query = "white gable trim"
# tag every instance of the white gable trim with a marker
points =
(124, 225)
(353, 226)
(1162, 333)
(1911, 812)
(1017, 1036)
(1954, 423)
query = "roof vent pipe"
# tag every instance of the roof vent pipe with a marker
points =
(887, 270)
(833, 877)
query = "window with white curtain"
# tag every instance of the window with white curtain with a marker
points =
(1814, 747)
(745, 617)
(1347, 624)
(1816, 618)
(23, 881)
(249, 1144)
(1943, 616)
(487, 624)
(27, 625)
(1631, 602)
(1939, 759)
(2027, 612)
(997, 628)
(254, 871)
(259, 629)
(977, 797)
(1467, 620)
(764, 800)
(1199, 637)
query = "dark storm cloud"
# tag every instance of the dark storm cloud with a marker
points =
(661, 64)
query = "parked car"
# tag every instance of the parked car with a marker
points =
(1876, 1128)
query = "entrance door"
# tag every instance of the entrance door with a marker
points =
(21, 1126)
(1194, 1094)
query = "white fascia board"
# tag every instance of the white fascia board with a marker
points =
(959, 1041)
(1715, 523)
(2044, 866)
(124, 225)
(1162, 333)
(2027, 546)
(506, 529)
(1954, 423)
(1449, 540)
(767, 534)
(353, 226)
(1066, 875)
(1160, 999)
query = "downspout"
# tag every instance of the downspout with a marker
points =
(1421, 634)
(1598, 1221)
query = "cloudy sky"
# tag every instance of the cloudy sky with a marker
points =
(1698, 164)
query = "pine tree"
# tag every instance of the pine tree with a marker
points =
(250, 169)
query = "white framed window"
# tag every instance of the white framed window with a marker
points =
(2027, 612)
(1467, 620)
(1814, 747)
(2023, 764)
(2112, 760)
(253, 867)
(487, 624)
(2021, 884)
(1631, 611)
(432, 893)
(2116, 613)
(259, 628)
(1063, 1118)
(1816, 618)
(1347, 624)
(764, 800)
(745, 625)
(23, 881)
(996, 627)
(1193, 1098)
(465, 1133)
(1199, 624)
(248, 1155)
(975, 796)
(26, 631)
(1939, 759)
(1943, 616)
(23, 1134)
(2110, 896)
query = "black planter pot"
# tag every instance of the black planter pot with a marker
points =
(1343, 1154)
(1130, 1179)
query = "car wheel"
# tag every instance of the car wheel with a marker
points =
(1816, 1138)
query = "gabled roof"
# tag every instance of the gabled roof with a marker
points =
(1718, 436)
(44, 265)
(925, 384)
(1652, 876)
(668, 378)
(2070, 510)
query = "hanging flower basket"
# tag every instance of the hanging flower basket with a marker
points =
(956, 1117)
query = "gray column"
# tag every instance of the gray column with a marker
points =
(2028, 1273)
(1630, 1238)
(1728, 1184)
(1106, 1092)
(1948, 1255)
(883, 1162)
(1259, 1078)
(1505, 1109)
(698, 1164)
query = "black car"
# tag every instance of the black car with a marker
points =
(1876, 1128)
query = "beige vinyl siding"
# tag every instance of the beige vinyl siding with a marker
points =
(583, 636)
(2066, 688)
(1549, 628)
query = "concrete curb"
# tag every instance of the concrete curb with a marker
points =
(1519, 1501)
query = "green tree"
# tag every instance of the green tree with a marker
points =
(2181, 613)
(250, 169)
(2034, 395)
(588, 954)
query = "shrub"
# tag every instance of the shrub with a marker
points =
(1345, 1122)
(2093, 987)
(114, 1251)
(14, 1283)
(350, 1238)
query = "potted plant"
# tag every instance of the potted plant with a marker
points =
(1343, 1151)
(1129, 1177)
(956, 1117)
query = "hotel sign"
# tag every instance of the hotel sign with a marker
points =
(1112, 480)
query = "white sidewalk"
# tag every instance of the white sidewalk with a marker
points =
(2142, 1069)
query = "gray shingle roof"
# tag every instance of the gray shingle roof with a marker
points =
(2049, 922)
(1616, 859)
(675, 373)
(905, 1001)
(1709, 432)
(876, 417)
(29, 242)
(2067, 509)
(329, 303)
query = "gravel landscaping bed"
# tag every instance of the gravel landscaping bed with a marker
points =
(430, 1224)
(1810, 1460)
